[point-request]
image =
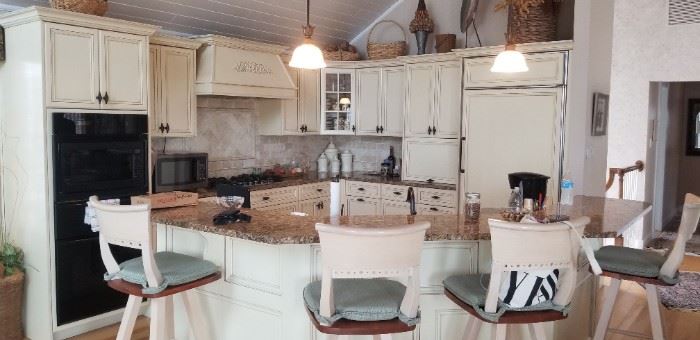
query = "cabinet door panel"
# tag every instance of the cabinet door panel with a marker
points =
(419, 99)
(123, 70)
(396, 208)
(518, 147)
(72, 67)
(360, 206)
(448, 108)
(308, 207)
(368, 101)
(177, 91)
(155, 113)
(290, 108)
(431, 159)
(393, 91)
(310, 100)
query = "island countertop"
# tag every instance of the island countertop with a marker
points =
(609, 218)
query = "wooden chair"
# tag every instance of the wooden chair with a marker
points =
(522, 247)
(369, 253)
(130, 226)
(667, 267)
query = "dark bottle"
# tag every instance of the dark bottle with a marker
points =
(392, 160)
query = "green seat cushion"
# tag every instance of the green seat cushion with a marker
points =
(175, 268)
(472, 289)
(630, 261)
(360, 300)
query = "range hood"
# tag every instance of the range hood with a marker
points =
(241, 68)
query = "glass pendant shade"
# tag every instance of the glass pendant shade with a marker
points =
(307, 56)
(509, 61)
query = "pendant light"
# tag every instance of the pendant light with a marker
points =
(509, 60)
(307, 55)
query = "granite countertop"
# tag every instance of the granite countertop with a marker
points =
(315, 177)
(609, 218)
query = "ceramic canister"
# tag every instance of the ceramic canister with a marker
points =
(331, 152)
(322, 163)
(346, 159)
(335, 166)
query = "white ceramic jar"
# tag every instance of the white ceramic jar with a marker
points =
(322, 163)
(335, 166)
(346, 159)
(331, 152)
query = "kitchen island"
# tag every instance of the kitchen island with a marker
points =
(267, 262)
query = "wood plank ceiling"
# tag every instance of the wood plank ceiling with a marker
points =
(271, 21)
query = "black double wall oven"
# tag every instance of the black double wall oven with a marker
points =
(93, 154)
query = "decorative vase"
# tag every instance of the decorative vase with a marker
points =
(11, 300)
(422, 41)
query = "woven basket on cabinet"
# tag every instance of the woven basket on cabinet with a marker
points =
(95, 7)
(388, 50)
(538, 25)
(11, 296)
(341, 56)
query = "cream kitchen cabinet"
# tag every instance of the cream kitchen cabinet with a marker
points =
(379, 109)
(319, 207)
(362, 206)
(173, 100)
(298, 116)
(395, 208)
(89, 68)
(433, 99)
(431, 159)
(309, 106)
(338, 101)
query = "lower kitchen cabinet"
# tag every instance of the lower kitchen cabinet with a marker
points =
(319, 207)
(361, 206)
(396, 208)
(286, 208)
(431, 159)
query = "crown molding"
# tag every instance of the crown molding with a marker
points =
(538, 47)
(219, 40)
(174, 41)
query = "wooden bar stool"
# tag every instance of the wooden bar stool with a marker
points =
(520, 247)
(354, 296)
(646, 267)
(156, 276)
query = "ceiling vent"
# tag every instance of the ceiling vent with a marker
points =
(683, 12)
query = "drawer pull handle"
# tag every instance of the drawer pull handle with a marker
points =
(436, 197)
(434, 209)
(360, 189)
(319, 190)
(360, 200)
(397, 193)
(265, 198)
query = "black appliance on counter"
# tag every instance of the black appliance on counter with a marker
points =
(93, 154)
(180, 171)
(531, 185)
(240, 185)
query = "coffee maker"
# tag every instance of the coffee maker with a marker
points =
(531, 185)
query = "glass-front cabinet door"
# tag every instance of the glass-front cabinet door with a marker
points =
(337, 102)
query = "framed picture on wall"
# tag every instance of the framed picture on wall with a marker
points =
(2, 44)
(693, 141)
(599, 126)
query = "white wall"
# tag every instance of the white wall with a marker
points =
(645, 49)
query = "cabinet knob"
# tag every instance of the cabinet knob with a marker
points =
(430, 130)
(266, 198)
(353, 128)
(167, 127)
(360, 200)
(435, 197)
(106, 97)
(434, 209)
(319, 190)
(161, 128)
(434, 130)
(381, 129)
(397, 193)
(377, 128)
(99, 97)
(360, 189)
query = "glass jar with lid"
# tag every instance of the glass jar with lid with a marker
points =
(472, 206)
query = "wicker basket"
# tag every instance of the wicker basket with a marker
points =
(11, 297)
(538, 25)
(341, 56)
(445, 43)
(388, 50)
(95, 7)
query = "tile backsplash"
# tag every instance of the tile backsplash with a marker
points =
(227, 131)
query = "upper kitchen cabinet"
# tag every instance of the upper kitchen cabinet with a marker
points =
(433, 99)
(296, 116)
(337, 101)
(173, 103)
(380, 100)
(546, 69)
(91, 68)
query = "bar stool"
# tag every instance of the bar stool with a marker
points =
(156, 276)
(520, 247)
(354, 296)
(646, 267)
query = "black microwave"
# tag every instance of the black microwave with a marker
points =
(180, 171)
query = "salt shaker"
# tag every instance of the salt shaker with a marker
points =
(472, 206)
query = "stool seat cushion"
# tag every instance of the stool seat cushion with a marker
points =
(472, 289)
(176, 269)
(360, 300)
(631, 261)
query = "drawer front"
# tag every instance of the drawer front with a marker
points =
(361, 206)
(424, 209)
(285, 209)
(316, 190)
(396, 193)
(395, 208)
(264, 198)
(443, 198)
(362, 189)
(546, 69)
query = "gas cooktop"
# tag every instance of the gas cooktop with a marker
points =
(243, 180)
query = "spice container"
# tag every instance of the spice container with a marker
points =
(472, 206)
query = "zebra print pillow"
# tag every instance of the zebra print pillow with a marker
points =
(523, 289)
